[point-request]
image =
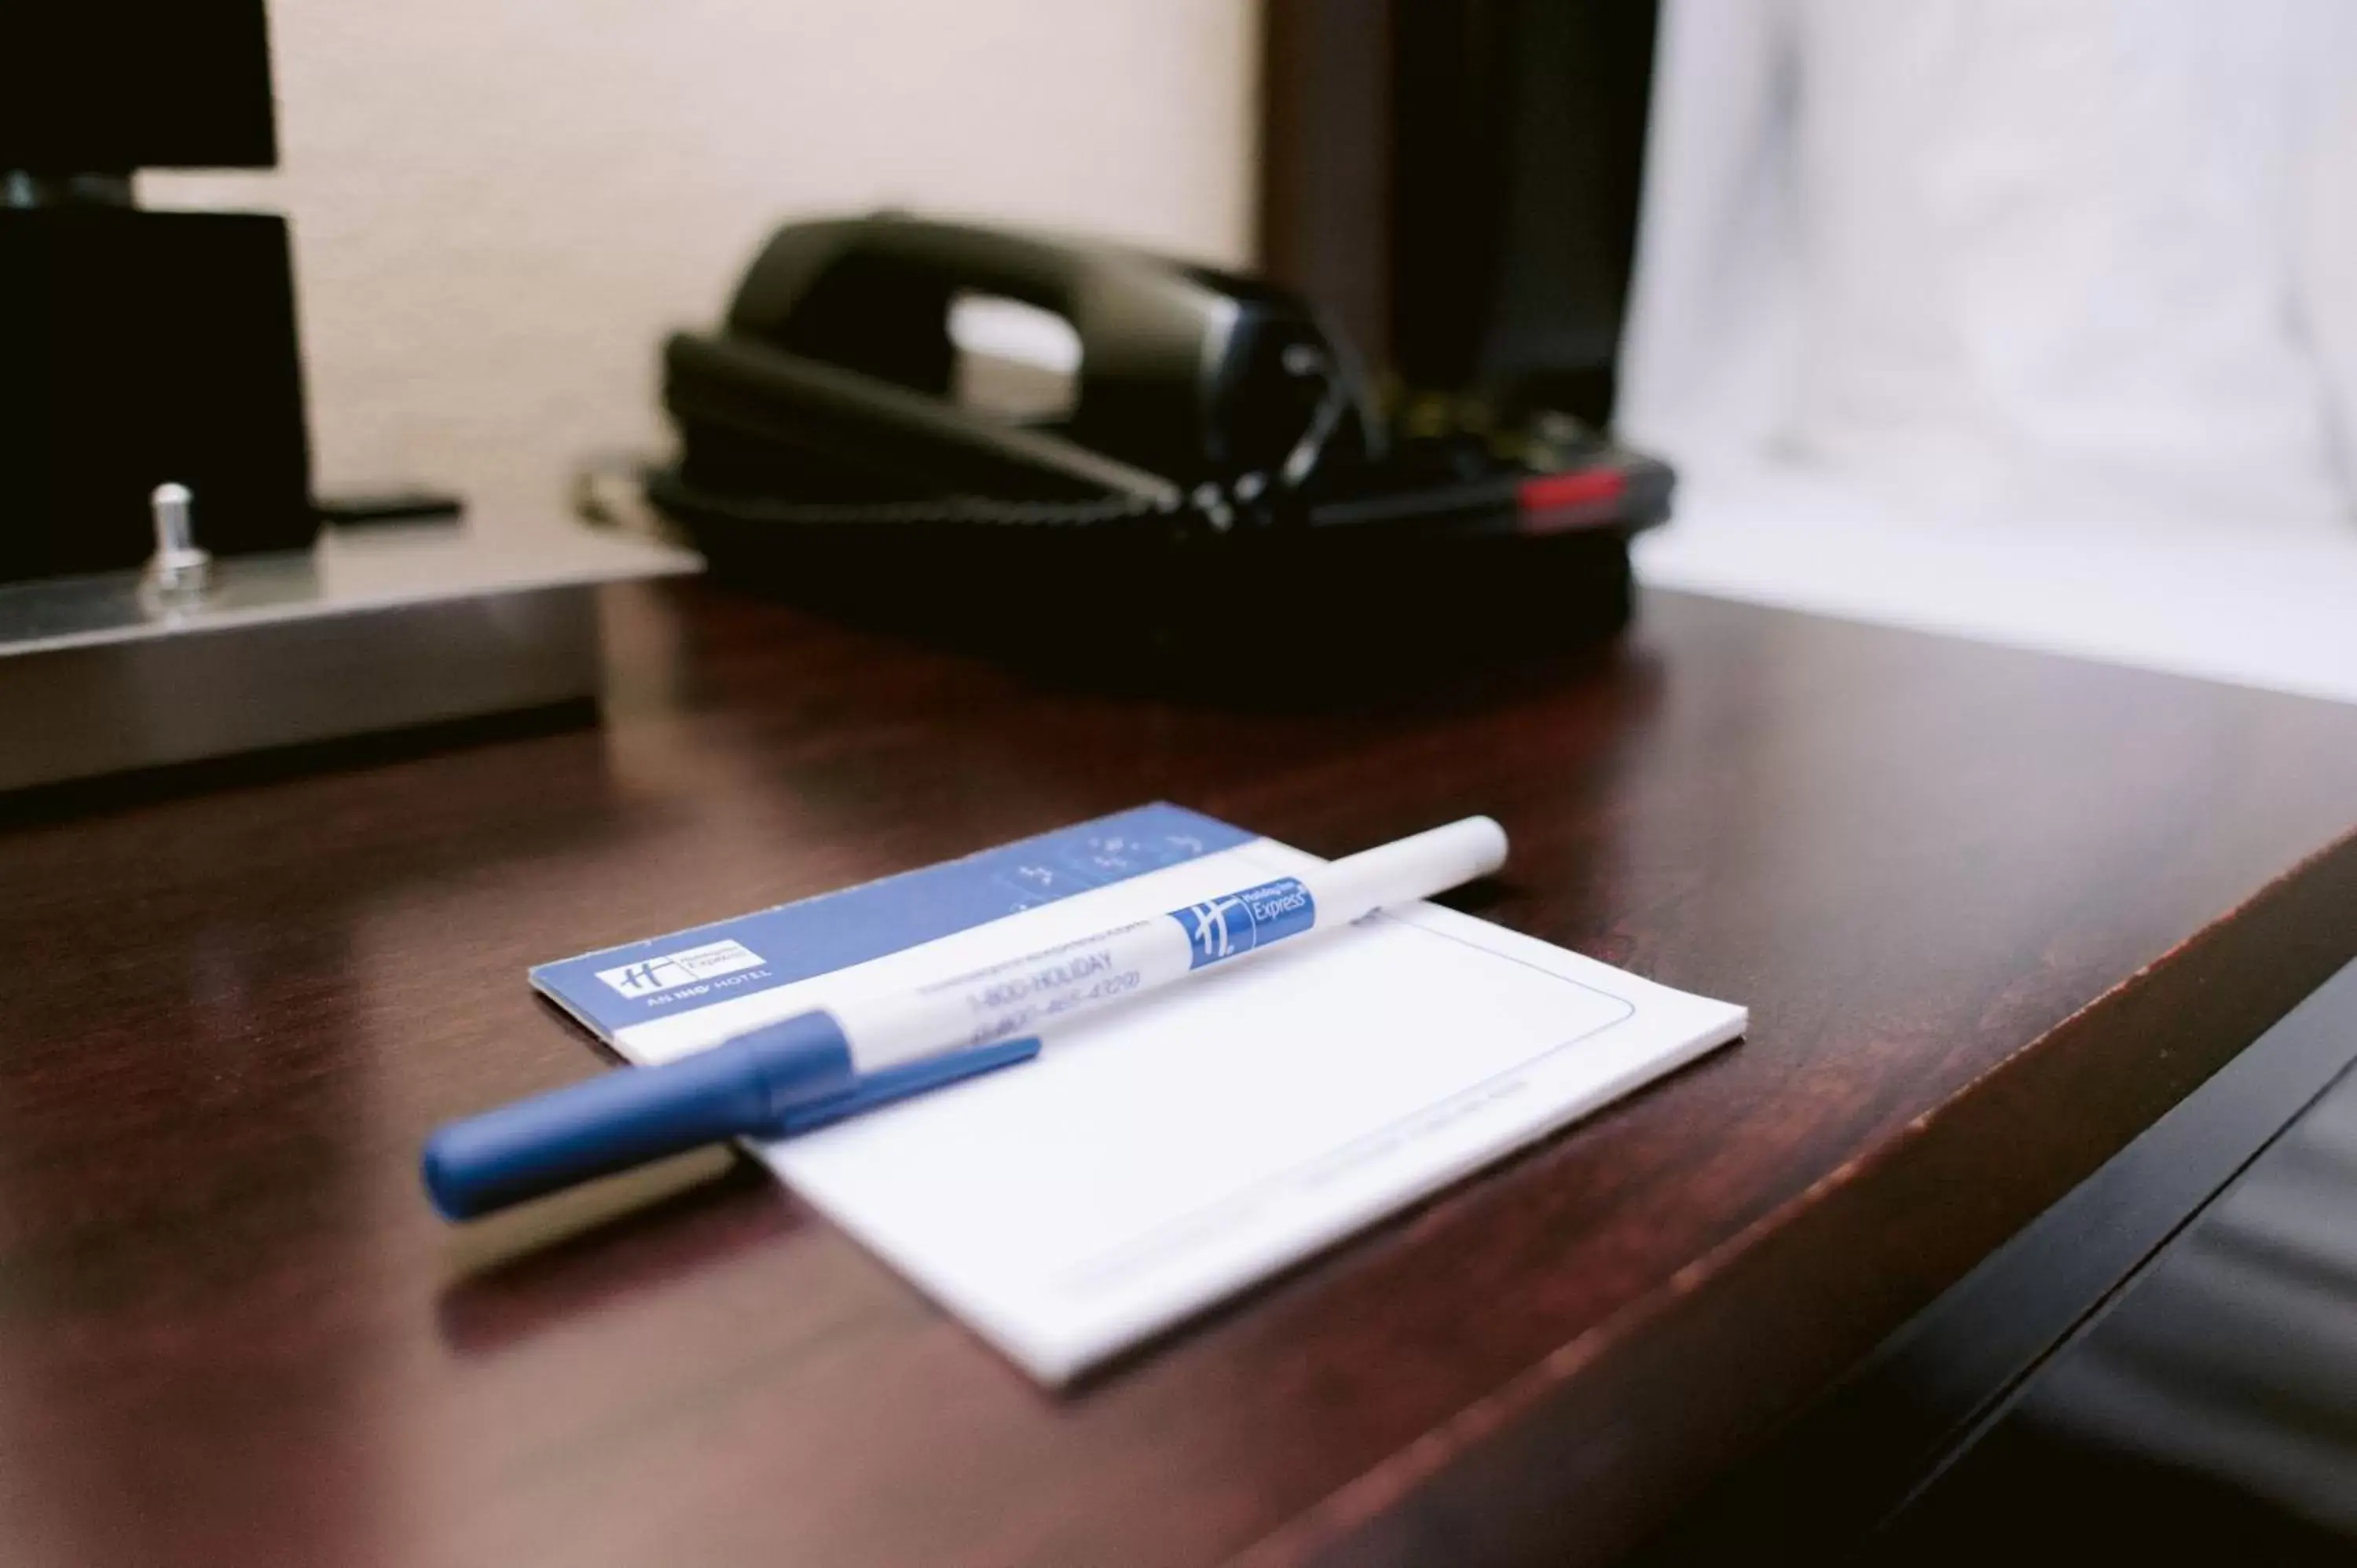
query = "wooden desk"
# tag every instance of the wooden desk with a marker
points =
(1992, 913)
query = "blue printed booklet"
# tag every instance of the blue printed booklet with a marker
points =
(1158, 1158)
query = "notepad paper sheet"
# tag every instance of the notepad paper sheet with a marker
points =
(1166, 1153)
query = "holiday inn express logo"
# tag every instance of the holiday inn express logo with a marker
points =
(649, 976)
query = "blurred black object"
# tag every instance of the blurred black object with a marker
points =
(1215, 502)
(141, 347)
(1457, 183)
(96, 86)
(146, 346)
(404, 504)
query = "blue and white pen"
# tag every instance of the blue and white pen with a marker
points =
(817, 1066)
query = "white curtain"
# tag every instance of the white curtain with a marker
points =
(2084, 259)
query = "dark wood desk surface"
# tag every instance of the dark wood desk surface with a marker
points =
(1992, 913)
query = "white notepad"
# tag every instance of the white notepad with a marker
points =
(1159, 1156)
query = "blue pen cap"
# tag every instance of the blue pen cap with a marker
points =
(617, 1120)
(887, 1086)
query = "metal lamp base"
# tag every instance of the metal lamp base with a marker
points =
(377, 629)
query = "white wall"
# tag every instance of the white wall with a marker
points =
(2026, 320)
(500, 205)
(1997, 259)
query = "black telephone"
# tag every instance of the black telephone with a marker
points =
(1218, 469)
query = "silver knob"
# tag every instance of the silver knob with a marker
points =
(177, 565)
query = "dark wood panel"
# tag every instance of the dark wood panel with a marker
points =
(1825, 1482)
(1326, 150)
(2209, 1414)
(1455, 184)
(1993, 912)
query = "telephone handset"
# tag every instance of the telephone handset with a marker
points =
(1214, 443)
(837, 353)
